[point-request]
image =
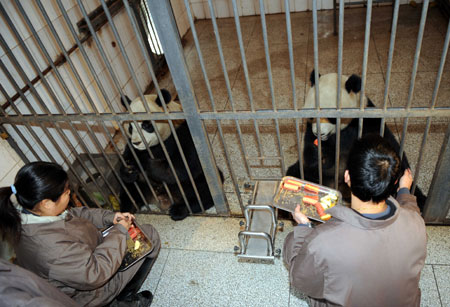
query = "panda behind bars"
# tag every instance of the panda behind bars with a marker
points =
(350, 95)
(157, 168)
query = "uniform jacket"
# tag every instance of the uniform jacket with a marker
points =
(71, 253)
(355, 261)
(20, 287)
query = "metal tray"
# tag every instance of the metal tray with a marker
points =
(138, 245)
(313, 198)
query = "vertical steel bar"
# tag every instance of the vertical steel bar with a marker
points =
(438, 201)
(316, 87)
(36, 95)
(85, 56)
(50, 91)
(211, 97)
(364, 65)
(122, 160)
(66, 55)
(30, 57)
(389, 63)
(269, 73)
(200, 58)
(294, 92)
(17, 130)
(423, 19)
(149, 66)
(248, 84)
(339, 90)
(27, 125)
(432, 105)
(119, 88)
(165, 22)
(291, 51)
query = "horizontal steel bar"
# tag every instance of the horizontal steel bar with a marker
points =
(242, 115)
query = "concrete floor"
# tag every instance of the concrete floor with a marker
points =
(197, 267)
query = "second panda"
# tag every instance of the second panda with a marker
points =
(157, 168)
(350, 96)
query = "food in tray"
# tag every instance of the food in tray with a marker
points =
(313, 199)
(138, 246)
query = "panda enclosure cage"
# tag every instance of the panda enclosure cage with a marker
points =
(61, 87)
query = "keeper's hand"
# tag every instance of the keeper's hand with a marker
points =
(299, 217)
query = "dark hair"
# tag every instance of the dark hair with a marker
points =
(34, 182)
(374, 167)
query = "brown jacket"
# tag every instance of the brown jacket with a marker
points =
(20, 287)
(71, 253)
(355, 261)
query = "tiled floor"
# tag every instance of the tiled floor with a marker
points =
(197, 267)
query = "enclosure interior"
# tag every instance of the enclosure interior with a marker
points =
(78, 98)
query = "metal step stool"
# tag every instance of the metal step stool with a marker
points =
(257, 241)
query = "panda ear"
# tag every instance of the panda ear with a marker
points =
(312, 78)
(166, 96)
(353, 84)
(124, 99)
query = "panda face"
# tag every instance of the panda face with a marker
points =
(147, 128)
(350, 88)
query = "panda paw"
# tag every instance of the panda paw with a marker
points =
(129, 173)
(178, 212)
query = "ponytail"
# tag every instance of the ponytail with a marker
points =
(34, 182)
(10, 223)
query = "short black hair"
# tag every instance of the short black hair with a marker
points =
(374, 167)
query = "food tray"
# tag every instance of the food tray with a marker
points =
(138, 246)
(313, 198)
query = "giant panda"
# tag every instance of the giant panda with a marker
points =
(350, 96)
(157, 168)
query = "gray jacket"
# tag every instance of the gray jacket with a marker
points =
(71, 253)
(19, 287)
(355, 261)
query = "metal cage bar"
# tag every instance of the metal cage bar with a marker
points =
(164, 21)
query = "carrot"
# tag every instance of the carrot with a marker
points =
(309, 200)
(291, 187)
(311, 188)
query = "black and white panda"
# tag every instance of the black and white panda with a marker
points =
(157, 168)
(350, 96)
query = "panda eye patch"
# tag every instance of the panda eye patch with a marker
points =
(147, 126)
(130, 129)
(332, 120)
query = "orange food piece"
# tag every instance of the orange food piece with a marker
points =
(311, 188)
(291, 187)
(309, 200)
(325, 217)
(290, 181)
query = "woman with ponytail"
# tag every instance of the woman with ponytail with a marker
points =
(65, 245)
